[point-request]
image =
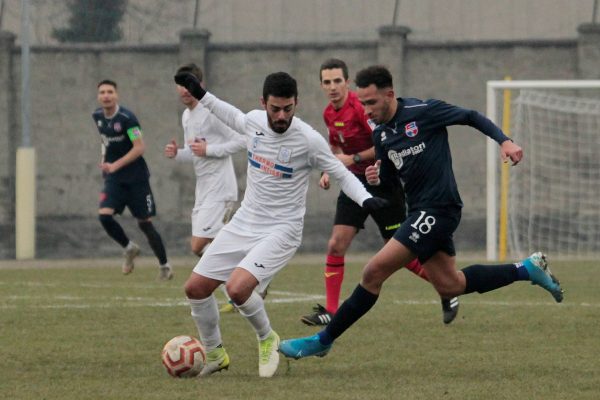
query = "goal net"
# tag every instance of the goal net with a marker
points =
(551, 201)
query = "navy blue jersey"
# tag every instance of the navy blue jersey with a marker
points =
(413, 146)
(117, 135)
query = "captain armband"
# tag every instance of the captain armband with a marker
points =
(134, 133)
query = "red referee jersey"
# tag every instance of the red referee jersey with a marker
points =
(349, 130)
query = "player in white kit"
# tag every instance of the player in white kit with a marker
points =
(266, 231)
(207, 143)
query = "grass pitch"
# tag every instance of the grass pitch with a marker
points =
(78, 329)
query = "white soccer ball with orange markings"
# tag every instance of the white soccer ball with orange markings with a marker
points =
(183, 356)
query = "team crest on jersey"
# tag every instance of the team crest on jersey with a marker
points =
(411, 129)
(254, 143)
(285, 155)
(118, 127)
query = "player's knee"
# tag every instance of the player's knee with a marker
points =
(235, 294)
(336, 247)
(448, 288)
(239, 294)
(193, 290)
(372, 278)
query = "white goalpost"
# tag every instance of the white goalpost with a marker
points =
(551, 201)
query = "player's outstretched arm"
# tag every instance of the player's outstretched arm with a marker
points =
(233, 141)
(375, 203)
(228, 114)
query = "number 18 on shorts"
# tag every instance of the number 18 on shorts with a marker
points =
(427, 231)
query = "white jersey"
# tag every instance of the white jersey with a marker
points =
(279, 166)
(215, 176)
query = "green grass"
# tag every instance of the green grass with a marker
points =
(75, 331)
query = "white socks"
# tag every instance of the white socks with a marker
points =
(254, 311)
(205, 314)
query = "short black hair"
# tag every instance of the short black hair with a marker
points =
(107, 82)
(334, 63)
(192, 69)
(377, 75)
(280, 84)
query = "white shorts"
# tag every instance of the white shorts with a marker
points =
(209, 218)
(263, 255)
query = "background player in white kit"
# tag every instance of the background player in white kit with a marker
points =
(266, 231)
(208, 144)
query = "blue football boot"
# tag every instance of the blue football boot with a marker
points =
(540, 274)
(303, 347)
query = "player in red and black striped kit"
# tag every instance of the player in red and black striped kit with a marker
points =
(350, 138)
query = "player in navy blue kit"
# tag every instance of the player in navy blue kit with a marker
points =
(126, 178)
(411, 146)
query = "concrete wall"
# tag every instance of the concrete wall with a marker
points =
(284, 21)
(63, 94)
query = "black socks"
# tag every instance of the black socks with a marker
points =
(154, 240)
(351, 310)
(484, 278)
(113, 229)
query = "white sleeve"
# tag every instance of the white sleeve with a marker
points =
(323, 159)
(233, 143)
(228, 114)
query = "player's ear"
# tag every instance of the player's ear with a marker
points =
(263, 102)
(390, 93)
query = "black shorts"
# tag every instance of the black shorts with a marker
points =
(387, 219)
(137, 196)
(427, 231)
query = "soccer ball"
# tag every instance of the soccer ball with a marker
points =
(183, 356)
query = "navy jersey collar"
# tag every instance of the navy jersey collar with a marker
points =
(391, 124)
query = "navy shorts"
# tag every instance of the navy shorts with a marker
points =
(387, 219)
(427, 231)
(137, 196)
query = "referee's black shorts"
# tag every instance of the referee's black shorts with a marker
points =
(387, 219)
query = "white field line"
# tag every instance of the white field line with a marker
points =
(82, 285)
(275, 297)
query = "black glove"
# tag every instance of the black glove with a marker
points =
(191, 83)
(375, 203)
